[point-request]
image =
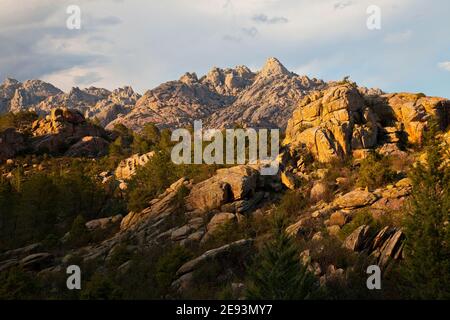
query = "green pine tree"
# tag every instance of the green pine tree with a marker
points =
(426, 270)
(277, 273)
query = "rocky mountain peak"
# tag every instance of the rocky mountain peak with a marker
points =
(10, 82)
(273, 67)
(189, 78)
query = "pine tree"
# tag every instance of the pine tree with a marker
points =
(426, 270)
(277, 273)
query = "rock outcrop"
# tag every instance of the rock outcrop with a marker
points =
(340, 121)
(67, 130)
(228, 185)
(127, 167)
(333, 122)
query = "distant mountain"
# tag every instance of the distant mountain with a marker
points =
(222, 98)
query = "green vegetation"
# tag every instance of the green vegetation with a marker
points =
(375, 171)
(277, 272)
(19, 120)
(426, 268)
(42, 204)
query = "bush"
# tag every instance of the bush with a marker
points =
(17, 284)
(168, 264)
(101, 287)
(292, 202)
(361, 217)
(375, 172)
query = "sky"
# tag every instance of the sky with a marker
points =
(143, 43)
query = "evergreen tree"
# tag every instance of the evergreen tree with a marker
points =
(426, 270)
(277, 272)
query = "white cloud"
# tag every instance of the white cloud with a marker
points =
(444, 65)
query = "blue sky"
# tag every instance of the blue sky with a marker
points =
(143, 43)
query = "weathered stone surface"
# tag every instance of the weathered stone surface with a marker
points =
(242, 180)
(355, 199)
(338, 218)
(104, 223)
(37, 261)
(91, 147)
(208, 194)
(127, 168)
(161, 206)
(229, 184)
(414, 110)
(238, 247)
(391, 247)
(219, 220)
(318, 191)
(325, 120)
(63, 128)
(357, 240)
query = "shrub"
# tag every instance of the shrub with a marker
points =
(292, 202)
(168, 264)
(101, 287)
(361, 217)
(374, 172)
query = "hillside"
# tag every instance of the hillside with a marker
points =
(87, 179)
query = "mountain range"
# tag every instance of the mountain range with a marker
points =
(221, 98)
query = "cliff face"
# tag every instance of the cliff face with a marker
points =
(340, 121)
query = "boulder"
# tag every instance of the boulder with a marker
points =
(219, 220)
(392, 248)
(358, 239)
(228, 184)
(228, 251)
(162, 206)
(355, 199)
(104, 223)
(338, 218)
(209, 194)
(318, 191)
(37, 261)
(91, 147)
(242, 180)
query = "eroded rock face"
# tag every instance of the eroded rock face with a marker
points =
(90, 147)
(385, 246)
(64, 128)
(229, 184)
(159, 207)
(118, 104)
(411, 112)
(127, 168)
(222, 98)
(268, 101)
(16, 96)
(342, 120)
(332, 122)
